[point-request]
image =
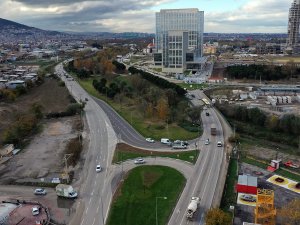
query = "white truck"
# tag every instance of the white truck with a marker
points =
(65, 191)
(192, 207)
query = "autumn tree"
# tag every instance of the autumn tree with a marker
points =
(162, 109)
(217, 217)
(290, 213)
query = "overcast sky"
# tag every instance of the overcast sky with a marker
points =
(262, 16)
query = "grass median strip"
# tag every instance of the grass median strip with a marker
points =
(124, 152)
(143, 191)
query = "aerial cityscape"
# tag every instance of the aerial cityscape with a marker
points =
(157, 112)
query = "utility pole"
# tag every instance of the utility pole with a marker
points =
(66, 157)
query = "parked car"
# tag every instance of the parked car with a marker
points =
(98, 168)
(139, 161)
(248, 198)
(150, 140)
(35, 210)
(40, 191)
(219, 144)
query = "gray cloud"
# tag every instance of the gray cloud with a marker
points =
(138, 15)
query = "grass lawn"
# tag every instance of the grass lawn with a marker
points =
(133, 116)
(191, 87)
(124, 152)
(135, 201)
(229, 195)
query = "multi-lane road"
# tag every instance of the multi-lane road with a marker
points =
(105, 128)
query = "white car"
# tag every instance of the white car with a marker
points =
(139, 161)
(206, 142)
(219, 144)
(40, 191)
(150, 140)
(35, 210)
(98, 168)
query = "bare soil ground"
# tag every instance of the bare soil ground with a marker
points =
(42, 158)
(50, 95)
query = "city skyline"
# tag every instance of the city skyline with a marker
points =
(232, 16)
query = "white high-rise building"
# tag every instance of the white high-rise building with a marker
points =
(293, 26)
(179, 39)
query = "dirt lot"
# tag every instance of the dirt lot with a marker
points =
(42, 158)
(50, 95)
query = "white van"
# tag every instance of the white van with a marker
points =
(165, 141)
(219, 144)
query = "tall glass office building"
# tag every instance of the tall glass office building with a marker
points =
(179, 38)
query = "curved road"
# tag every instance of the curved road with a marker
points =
(97, 189)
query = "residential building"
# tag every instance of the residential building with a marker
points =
(293, 27)
(179, 39)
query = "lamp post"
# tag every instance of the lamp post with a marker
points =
(156, 207)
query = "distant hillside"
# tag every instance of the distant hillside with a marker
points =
(11, 31)
(10, 24)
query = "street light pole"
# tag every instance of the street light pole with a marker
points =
(156, 207)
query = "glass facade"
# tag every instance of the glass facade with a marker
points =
(172, 44)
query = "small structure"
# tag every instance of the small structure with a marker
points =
(274, 165)
(5, 210)
(265, 212)
(247, 184)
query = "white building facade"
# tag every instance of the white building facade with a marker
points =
(179, 38)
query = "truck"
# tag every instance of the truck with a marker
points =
(179, 146)
(65, 191)
(213, 129)
(192, 207)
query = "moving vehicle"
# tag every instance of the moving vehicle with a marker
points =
(248, 198)
(206, 142)
(219, 144)
(139, 161)
(207, 113)
(165, 141)
(40, 191)
(179, 146)
(150, 140)
(98, 168)
(35, 210)
(65, 191)
(192, 207)
(213, 129)
(291, 164)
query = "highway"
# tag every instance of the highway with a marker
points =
(205, 175)
(105, 127)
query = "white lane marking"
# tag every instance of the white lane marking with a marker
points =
(82, 221)
(94, 221)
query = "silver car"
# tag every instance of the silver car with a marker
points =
(139, 161)
(40, 191)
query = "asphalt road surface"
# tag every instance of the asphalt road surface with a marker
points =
(106, 127)
(205, 175)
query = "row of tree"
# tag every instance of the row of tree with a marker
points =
(263, 72)
(160, 82)
(281, 129)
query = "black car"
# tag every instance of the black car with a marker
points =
(207, 113)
